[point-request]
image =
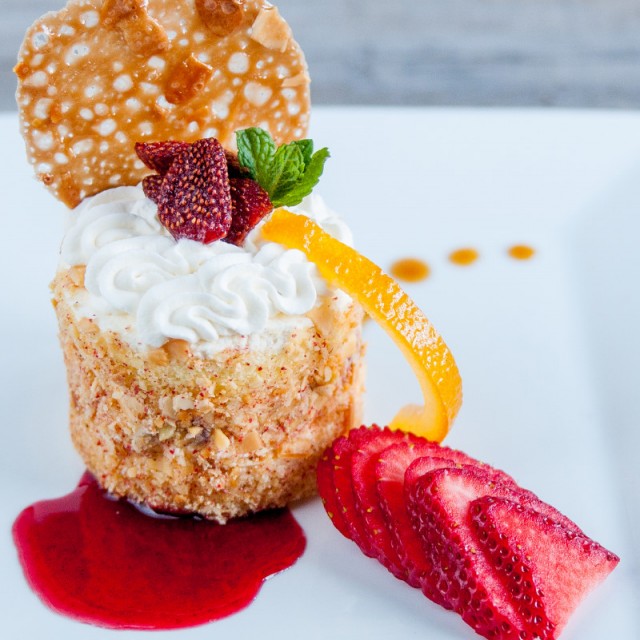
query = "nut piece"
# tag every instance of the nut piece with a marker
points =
(177, 350)
(159, 357)
(251, 442)
(114, 11)
(165, 404)
(140, 31)
(182, 403)
(270, 30)
(222, 17)
(187, 80)
(220, 440)
(296, 81)
(76, 274)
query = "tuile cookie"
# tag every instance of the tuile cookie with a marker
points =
(98, 76)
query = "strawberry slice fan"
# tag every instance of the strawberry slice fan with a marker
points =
(466, 534)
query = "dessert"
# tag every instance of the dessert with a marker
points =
(207, 368)
(204, 378)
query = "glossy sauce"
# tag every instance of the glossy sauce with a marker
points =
(521, 252)
(410, 270)
(464, 257)
(102, 561)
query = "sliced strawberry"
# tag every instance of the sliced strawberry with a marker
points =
(334, 480)
(419, 467)
(374, 536)
(404, 540)
(194, 200)
(343, 482)
(457, 459)
(438, 504)
(326, 485)
(546, 568)
(152, 186)
(159, 156)
(249, 204)
(390, 473)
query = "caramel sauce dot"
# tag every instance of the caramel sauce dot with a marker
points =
(410, 270)
(521, 252)
(464, 257)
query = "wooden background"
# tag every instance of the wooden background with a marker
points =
(579, 53)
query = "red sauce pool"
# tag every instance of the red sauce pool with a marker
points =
(104, 562)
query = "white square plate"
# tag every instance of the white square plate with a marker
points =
(548, 349)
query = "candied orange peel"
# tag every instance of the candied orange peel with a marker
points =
(385, 301)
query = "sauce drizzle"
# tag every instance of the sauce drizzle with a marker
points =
(410, 270)
(521, 252)
(102, 561)
(464, 257)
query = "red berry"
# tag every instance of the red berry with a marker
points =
(159, 156)
(327, 488)
(249, 204)
(546, 568)
(194, 200)
(438, 504)
(235, 169)
(373, 534)
(511, 565)
(152, 185)
(343, 449)
(390, 472)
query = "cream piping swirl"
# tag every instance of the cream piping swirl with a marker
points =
(138, 276)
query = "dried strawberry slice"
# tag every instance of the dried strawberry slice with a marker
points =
(249, 204)
(152, 185)
(195, 200)
(236, 170)
(159, 156)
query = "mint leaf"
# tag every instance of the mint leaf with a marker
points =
(288, 173)
(309, 179)
(256, 150)
(306, 146)
(287, 168)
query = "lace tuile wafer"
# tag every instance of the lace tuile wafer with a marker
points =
(96, 77)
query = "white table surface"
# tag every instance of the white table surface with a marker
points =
(548, 348)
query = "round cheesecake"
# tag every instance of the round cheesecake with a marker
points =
(203, 379)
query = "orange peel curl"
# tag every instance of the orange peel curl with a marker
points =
(386, 303)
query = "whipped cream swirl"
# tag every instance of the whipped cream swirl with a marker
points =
(148, 287)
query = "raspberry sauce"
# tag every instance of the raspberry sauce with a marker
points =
(102, 561)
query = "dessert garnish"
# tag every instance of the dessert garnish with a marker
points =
(384, 300)
(468, 535)
(205, 193)
(287, 173)
(193, 195)
(249, 204)
(96, 76)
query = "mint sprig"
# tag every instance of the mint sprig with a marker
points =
(287, 173)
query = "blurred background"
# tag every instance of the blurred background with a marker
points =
(570, 53)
